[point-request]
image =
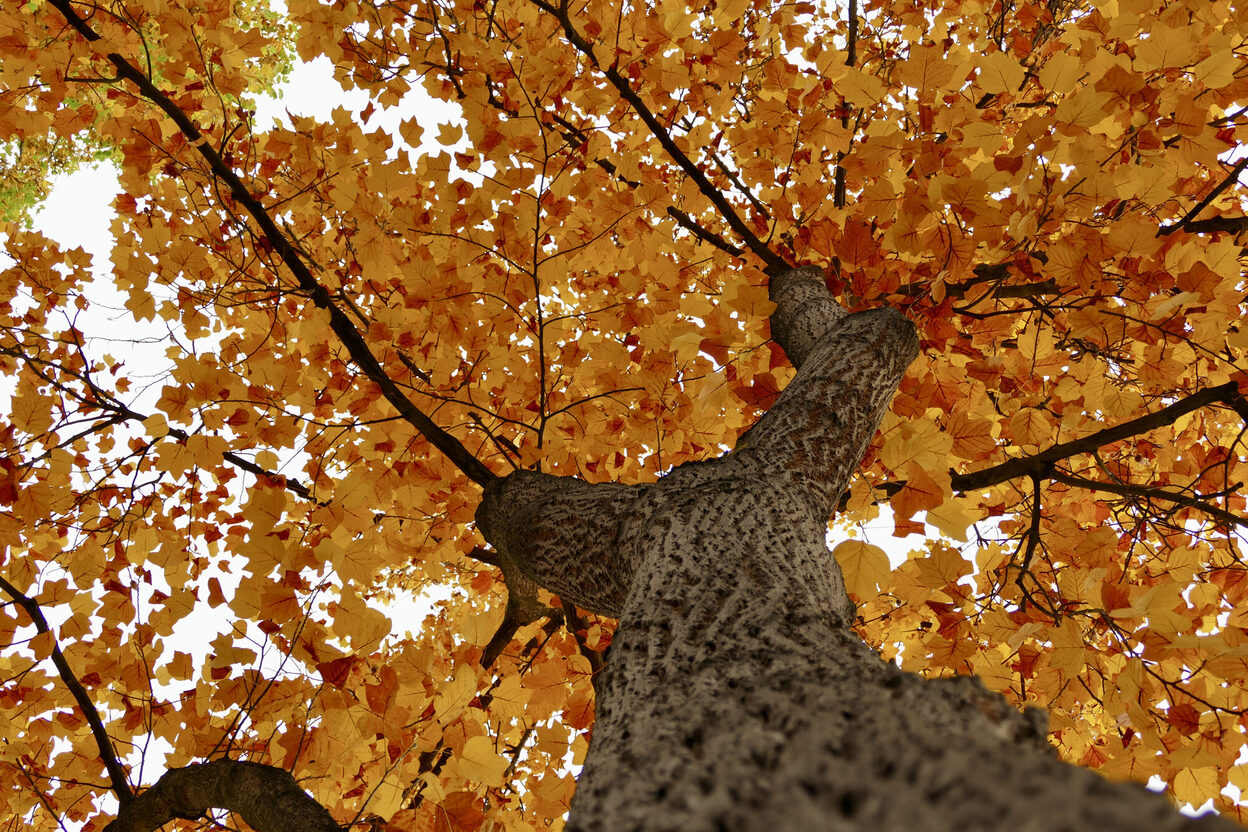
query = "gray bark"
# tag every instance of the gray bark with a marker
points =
(736, 696)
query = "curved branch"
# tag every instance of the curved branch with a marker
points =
(351, 338)
(268, 799)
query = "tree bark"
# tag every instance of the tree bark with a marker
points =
(266, 797)
(737, 697)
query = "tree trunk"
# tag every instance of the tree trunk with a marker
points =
(736, 694)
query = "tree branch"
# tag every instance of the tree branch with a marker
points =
(1224, 393)
(851, 50)
(989, 273)
(287, 251)
(702, 233)
(1041, 464)
(1188, 222)
(116, 774)
(268, 799)
(1130, 490)
(1232, 224)
(773, 261)
(523, 607)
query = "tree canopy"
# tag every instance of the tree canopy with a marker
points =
(350, 338)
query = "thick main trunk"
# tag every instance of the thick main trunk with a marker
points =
(737, 697)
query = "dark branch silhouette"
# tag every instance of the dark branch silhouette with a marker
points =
(108, 755)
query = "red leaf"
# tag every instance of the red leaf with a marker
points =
(335, 672)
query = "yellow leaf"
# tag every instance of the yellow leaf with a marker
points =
(926, 69)
(1031, 427)
(687, 346)
(1168, 306)
(41, 644)
(1133, 236)
(411, 131)
(919, 441)
(1085, 108)
(31, 412)
(1196, 785)
(863, 565)
(924, 490)
(449, 134)
(1218, 70)
(155, 426)
(862, 89)
(999, 73)
(1061, 71)
(1069, 649)
(748, 300)
(942, 567)
(729, 11)
(990, 666)
(480, 762)
(1238, 777)
(141, 304)
(454, 696)
(952, 518)
(972, 438)
(361, 625)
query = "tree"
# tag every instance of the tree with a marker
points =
(618, 352)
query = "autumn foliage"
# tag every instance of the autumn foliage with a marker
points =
(220, 472)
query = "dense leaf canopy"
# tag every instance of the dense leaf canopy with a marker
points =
(217, 474)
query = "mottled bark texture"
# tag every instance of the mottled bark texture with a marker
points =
(736, 695)
(267, 798)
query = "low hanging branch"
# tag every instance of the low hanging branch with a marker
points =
(288, 252)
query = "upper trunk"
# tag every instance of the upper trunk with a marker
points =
(736, 695)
